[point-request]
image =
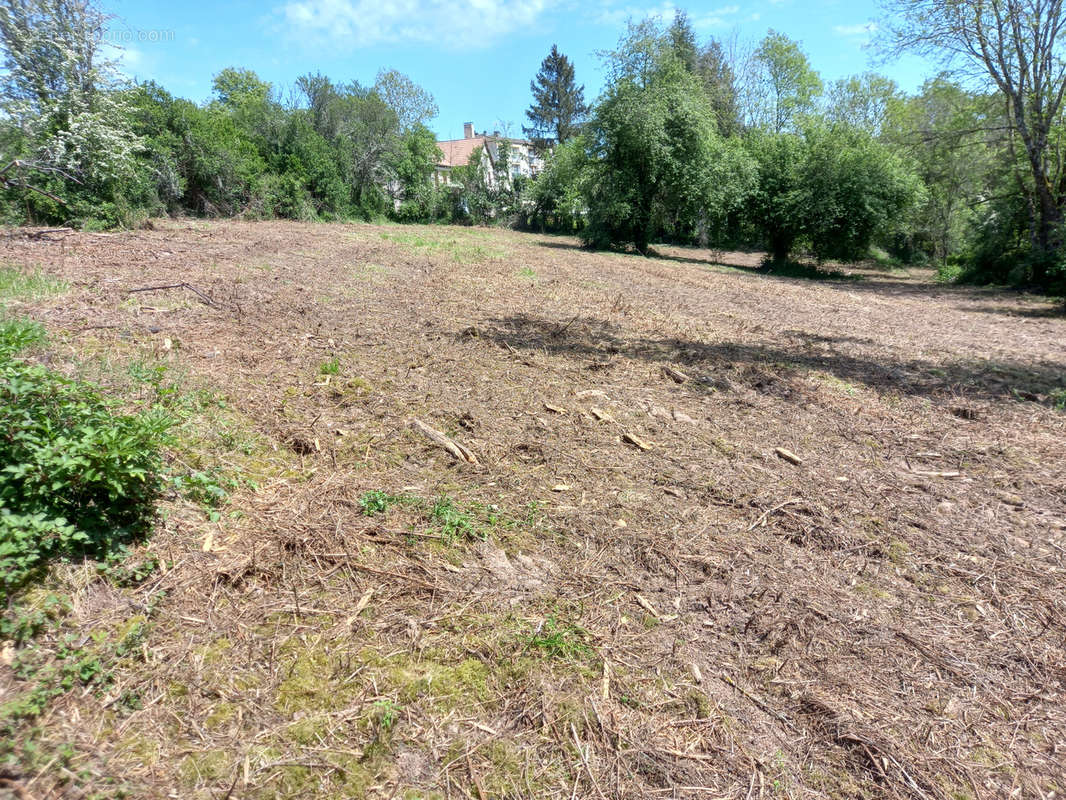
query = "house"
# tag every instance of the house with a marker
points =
(522, 157)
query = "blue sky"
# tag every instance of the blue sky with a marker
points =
(475, 56)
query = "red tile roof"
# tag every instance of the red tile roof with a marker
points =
(457, 151)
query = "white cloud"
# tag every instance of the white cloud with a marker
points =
(452, 23)
(613, 14)
(862, 29)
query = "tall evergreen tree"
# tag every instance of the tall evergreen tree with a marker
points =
(558, 107)
(715, 70)
(682, 40)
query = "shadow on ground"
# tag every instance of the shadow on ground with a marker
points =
(714, 366)
(873, 280)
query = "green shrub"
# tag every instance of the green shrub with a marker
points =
(77, 476)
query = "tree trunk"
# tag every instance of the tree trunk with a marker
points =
(780, 247)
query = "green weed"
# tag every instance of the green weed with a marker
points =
(330, 367)
(561, 640)
(77, 475)
(18, 284)
(454, 523)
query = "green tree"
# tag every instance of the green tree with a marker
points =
(412, 104)
(715, 70)
(322, 99)
(657, 164)
(683, 41)
(863, 101)
(1015, 44)
(789, 84)
(558, 108)
(555, 200)
(954, 138)
(235, 87)
(833, 189)
(60, 93)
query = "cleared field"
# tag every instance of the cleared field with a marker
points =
(635, 591)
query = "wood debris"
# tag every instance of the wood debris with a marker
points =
(633, 439)
(461, 452)
(363, 602)
(601, 415)
(788, 456)
(675, 375)
(697, 675)
(555, 409)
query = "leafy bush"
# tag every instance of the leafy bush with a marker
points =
(77, 476)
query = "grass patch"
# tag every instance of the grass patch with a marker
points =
(452, 521)
(20, 284)
(330, 367)
(561, 640)
(460, 250)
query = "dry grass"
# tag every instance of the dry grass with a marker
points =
(581, 617)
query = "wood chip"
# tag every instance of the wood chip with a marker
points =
(601, 415)
(555, 409)
(694, 668)
(636, 440)
(788, 456)
(643, 603)
(927, 474)
(360, 606)
(605, 682)
(461, 452)
(585, 395)
(675, 375)
(560, 487)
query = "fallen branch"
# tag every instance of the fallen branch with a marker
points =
(188, 286)
(461, 452)
(19, 165)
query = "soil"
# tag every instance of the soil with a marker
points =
(653, 600)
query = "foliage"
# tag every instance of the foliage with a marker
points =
(77, 475)
(788, 83)
(833, 189)
(413, 105)
(949, 136)
(558, 107)
(1015, 46)
(555, 200)
(657, 164)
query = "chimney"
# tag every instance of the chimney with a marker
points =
(468, 130)
(496, 134)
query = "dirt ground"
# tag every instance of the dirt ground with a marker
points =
(634, 591)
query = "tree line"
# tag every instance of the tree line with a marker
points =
(702, 142)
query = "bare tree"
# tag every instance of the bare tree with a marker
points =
(1014, 43)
